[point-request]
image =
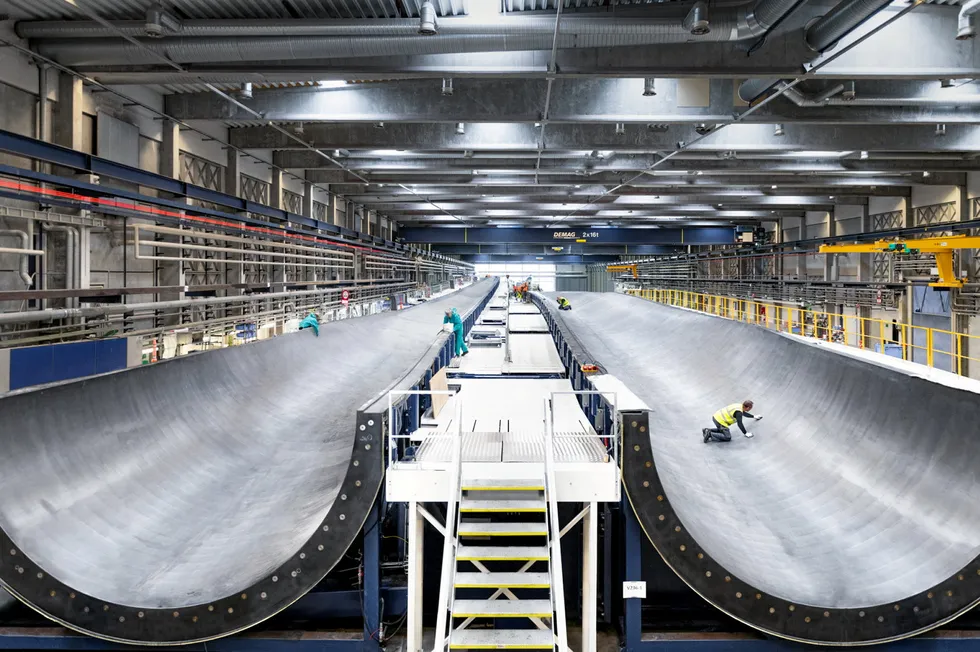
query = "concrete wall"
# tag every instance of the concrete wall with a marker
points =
(878, 205)
(849, 220)
(930, 195)
(817, 225)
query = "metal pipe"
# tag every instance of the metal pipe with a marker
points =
(840, 21)
(966, 24)
(696, 21)
(214, 41)
(427, 19)
(827, 98)
(25, 251)
(119, 309)
(820, 36)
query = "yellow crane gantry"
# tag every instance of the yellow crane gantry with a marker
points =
(622, 268)
(942, 248)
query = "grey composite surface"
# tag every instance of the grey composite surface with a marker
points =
(861, 485)
(184, 482)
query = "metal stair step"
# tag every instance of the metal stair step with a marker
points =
(503, 485)
(502, 553)
(469, 505)
(502, 639)
(471, 529)
(501, 580)
(502, 608)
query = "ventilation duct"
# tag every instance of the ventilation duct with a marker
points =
(841, 20)
(820, 36)
(238, 41)
(829, 98)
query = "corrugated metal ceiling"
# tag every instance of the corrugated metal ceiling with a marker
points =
(136, 9)
(539, 5)
(340, 9)
(201, 88)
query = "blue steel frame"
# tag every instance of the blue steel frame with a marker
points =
(38, 150)
(573, 356)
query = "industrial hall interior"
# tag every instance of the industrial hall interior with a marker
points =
(447, 325)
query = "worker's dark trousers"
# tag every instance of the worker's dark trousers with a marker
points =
(719, 432)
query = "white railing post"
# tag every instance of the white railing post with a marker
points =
(507, 331)
(449, 545)
(554, 530)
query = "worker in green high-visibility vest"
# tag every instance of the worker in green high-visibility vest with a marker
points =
(727, 417)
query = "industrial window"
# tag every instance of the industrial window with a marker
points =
(542, 274)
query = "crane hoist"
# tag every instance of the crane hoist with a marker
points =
(942, 248)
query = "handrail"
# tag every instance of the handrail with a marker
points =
(554, 530)
(446, 592)
(615, 441)
(392, 437)
(909, 342)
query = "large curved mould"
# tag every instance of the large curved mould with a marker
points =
(853, 516)
(195, 498)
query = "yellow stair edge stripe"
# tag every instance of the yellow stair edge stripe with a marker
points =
(509, 510)
(522, 615)
(505, 534)
(514, 558)
(512, 488)
(499, 647)
(502, 586)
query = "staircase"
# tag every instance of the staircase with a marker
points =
(503, 591)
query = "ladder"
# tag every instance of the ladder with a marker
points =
(502, 536)
(503, 547)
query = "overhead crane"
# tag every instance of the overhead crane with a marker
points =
(942, 248)
(623, 268)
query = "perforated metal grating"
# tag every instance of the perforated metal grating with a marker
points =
(514, 447)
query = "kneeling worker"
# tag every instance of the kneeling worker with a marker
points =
(563, 304)
(452, 317)
(725, 417)
(312, 320)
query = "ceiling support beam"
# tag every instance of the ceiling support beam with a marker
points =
(743, 138)
(574, 100)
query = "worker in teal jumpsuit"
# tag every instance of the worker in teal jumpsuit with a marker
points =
(311, 321)
(453, 317)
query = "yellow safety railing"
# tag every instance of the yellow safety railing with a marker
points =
(934, 347)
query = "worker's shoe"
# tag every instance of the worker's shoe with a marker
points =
(706, 434)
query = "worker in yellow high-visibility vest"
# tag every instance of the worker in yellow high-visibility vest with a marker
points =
(727, 417)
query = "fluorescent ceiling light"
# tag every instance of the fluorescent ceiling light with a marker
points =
(388, 152)
(331, 83)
